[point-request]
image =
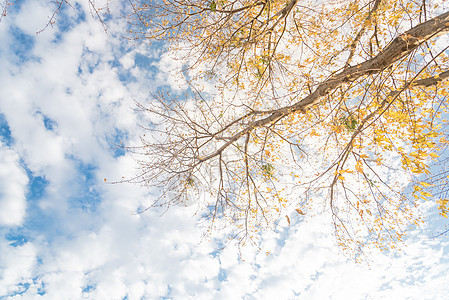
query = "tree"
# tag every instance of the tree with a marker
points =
(335, 105)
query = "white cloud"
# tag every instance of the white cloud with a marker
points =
(169, 74)
(128, 60)
(16, 266)
(13, 188)
(34, 16)
(105, 252)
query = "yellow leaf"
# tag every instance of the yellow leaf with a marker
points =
(426, 194)
(300, 211)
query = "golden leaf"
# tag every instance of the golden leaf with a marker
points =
(299, 211)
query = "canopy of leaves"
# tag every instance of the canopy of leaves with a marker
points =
(332, 105)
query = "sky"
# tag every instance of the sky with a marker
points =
(67, 232)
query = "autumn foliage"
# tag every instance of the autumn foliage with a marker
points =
(336, 106)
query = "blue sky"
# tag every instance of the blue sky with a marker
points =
(66, 101)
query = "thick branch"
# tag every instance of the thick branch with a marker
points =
(397, 49)
(400, 47)
(432, 80)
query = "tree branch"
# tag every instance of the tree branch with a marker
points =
(400, 47)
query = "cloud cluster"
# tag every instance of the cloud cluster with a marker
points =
(67, 101)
